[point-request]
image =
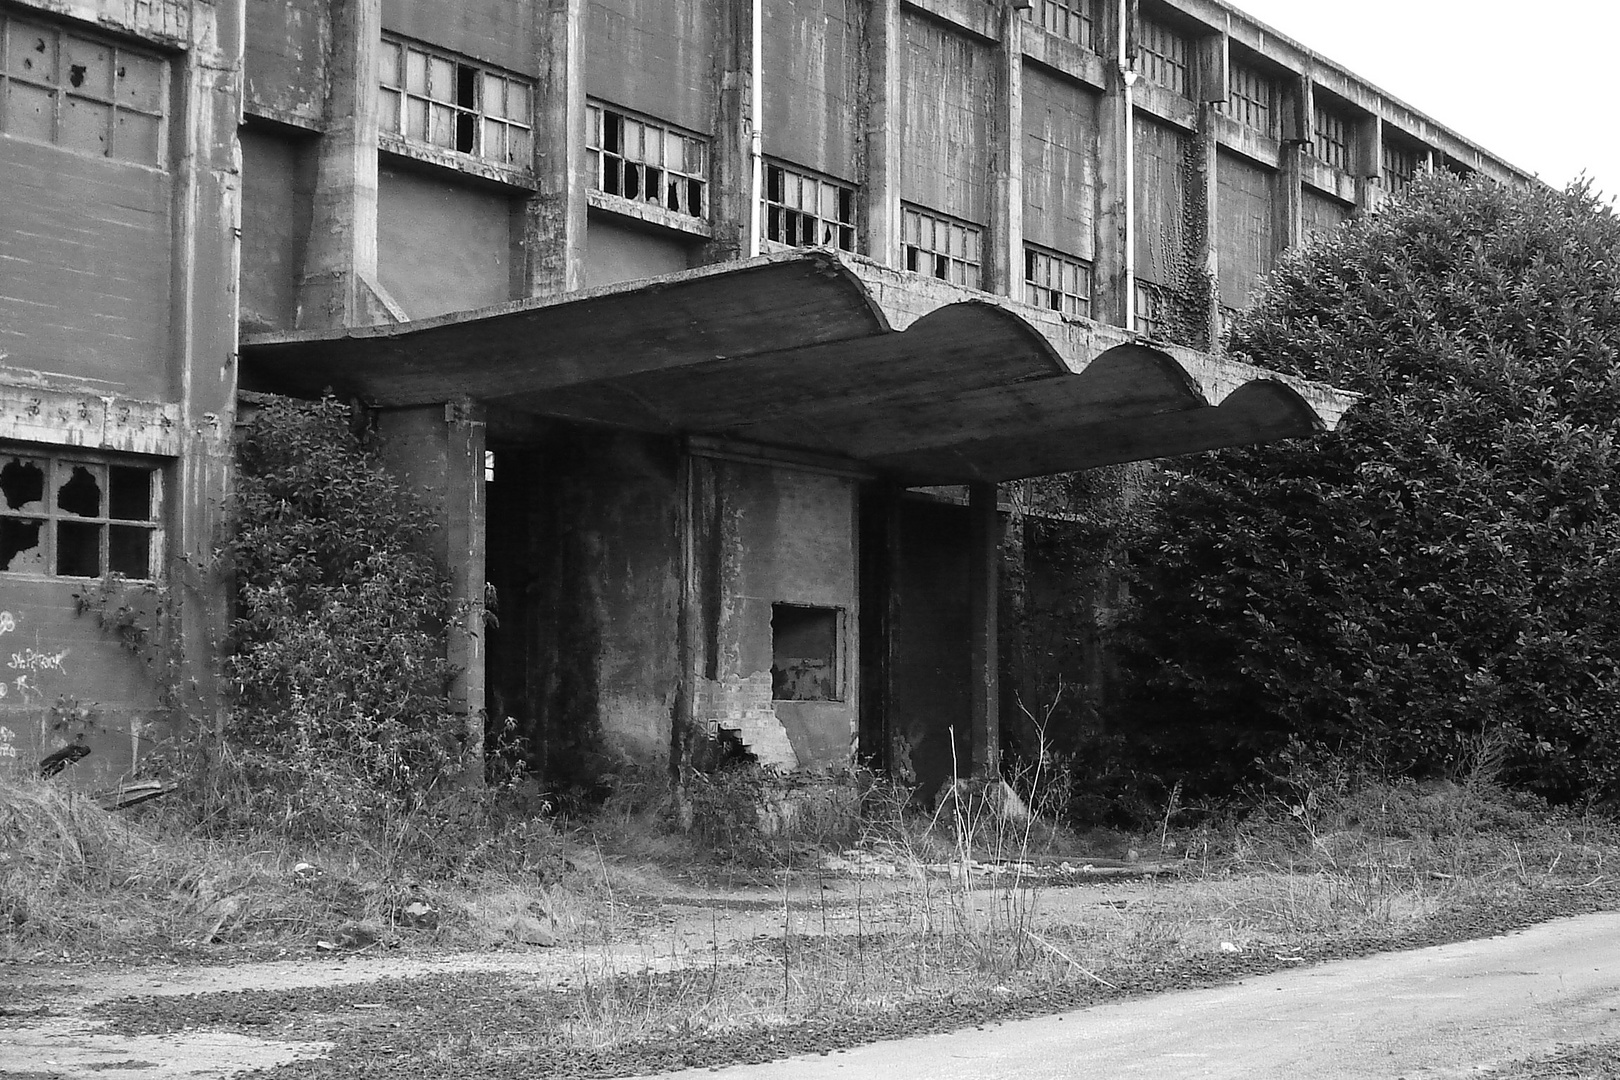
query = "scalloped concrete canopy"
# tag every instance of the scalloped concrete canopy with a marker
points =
(822, 352)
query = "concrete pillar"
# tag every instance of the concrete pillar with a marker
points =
(880, 183)
(1369, 164)
(1211, 82)
(1110, 300)
(438, 452)
(1005, 269)
(731, 193)
(1295, 133)
(554, 218)
(340, 262)
(984, 662)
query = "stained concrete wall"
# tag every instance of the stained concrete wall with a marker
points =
(1243, 227)
(946, 89)
(1322, 213)
(777, 535)
(62, 675)
(85, 247)
(497, 32)
(1161, 201)
(1060, 163)
(616, 252)
(278, 183)
(655, 57)
(285, 60)
(442, 246)
(812, 64)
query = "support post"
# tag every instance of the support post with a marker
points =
(1212, 82)
(555, 216)
(733, 168)
(1296, 139)
(984, 571)
(1112, 283)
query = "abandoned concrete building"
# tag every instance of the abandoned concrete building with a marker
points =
(709, 328)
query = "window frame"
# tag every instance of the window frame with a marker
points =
(394, 120)
(59, 465)
(1392, 154)
(1164, 55)
(1251, 97)
(1041, 295)
(1333, 134)
(599, 159)
(840, 675)
(118, 101)
(778, 211)
(969, 260)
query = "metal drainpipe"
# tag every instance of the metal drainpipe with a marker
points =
(756, 141)
(1128, 77)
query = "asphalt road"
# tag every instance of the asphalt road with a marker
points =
(1450, 1011)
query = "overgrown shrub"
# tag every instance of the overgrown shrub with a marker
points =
(1446, 559)
(340, 717)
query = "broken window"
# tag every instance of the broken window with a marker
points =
(804, 653)
(1152, 308)
(646, 161)
(1077, 20)
(455, 104)
(77, 517)
(1056, 281)
(940, 247)
(80, 91)
(808, 211)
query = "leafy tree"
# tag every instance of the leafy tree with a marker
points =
(1448, 562)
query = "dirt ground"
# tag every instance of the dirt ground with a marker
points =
(47, 1030)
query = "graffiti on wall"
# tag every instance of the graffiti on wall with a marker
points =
(26, 668)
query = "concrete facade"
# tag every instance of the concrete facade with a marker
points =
(677, 562)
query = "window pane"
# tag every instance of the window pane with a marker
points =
(139, 83)
(22, 548)
(415, 72)
(517, 102)
(85, 125)
(86, 67)
(388, 64)
(494, 102)
(129, 550)
(80, 490)
(22, 483)
(137, 138)
(389, 120)
(494, 146)
(78, 549)
(129, 495)
(442, 129)
(441, 79)
(416, 118)
(31, 52)
(517, 146)
(29, 112)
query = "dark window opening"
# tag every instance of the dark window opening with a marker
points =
(804, 653)
(19, 536)
(23, 483)
(130, 497)
(81, 495)
(78, 549)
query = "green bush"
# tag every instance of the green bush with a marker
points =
(1447, 559)
(340, 717)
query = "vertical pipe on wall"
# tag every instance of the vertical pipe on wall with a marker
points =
(1127, 74)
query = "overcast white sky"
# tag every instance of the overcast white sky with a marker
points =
(1536, 82)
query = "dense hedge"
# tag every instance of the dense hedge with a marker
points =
(1448, 562)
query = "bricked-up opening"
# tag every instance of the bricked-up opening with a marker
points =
(804, 653)
(100, 518)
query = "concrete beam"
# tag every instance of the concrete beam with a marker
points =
(731, 193)
(1004, 272)
(880, 188)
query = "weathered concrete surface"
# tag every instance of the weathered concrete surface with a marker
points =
(1452, 1011)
